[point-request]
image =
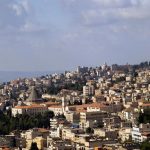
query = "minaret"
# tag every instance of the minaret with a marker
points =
(104, 66)
(64, 104)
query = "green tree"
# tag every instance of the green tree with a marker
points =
(145, 145)
(144, 117)
(34, 146)
(89, 130)
(24, 122)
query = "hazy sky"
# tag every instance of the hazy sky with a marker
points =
(62, 34)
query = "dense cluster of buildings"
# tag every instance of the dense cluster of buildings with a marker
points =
(103, 115)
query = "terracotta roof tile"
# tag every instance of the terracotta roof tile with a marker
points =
(146, 104)
(30, 106)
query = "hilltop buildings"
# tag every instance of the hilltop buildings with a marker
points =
(94, 108)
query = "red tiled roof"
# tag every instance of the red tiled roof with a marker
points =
(30, 106)
(146, 104)
(55, 106)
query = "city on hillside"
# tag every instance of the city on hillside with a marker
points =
(91, 108)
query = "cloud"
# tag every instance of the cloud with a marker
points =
(116, 3)
(20, 7)
(60, 34)
(17, 9)
(110, 27)
(13, 14)
(109, 11)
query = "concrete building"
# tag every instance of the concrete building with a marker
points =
(105, 133)
(38, 135)
(39, 140)
(141, 133)
(55, 129)
(125, 134)
(73, 117)
(30, 110)
(58, 144)
(57, 109)
(90, 117)
(88, 90)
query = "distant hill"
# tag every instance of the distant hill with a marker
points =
(6, 76)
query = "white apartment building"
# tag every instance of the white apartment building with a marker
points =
(88, 90)
(55, 128)
(141, 133)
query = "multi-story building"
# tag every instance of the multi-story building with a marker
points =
(57, 109)
(38, 135)
(58, 144)
(30, 110)
(141, 133)
(87, 119)
(55, 128)
(73, 117)
(109, 134)
(88, 90)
